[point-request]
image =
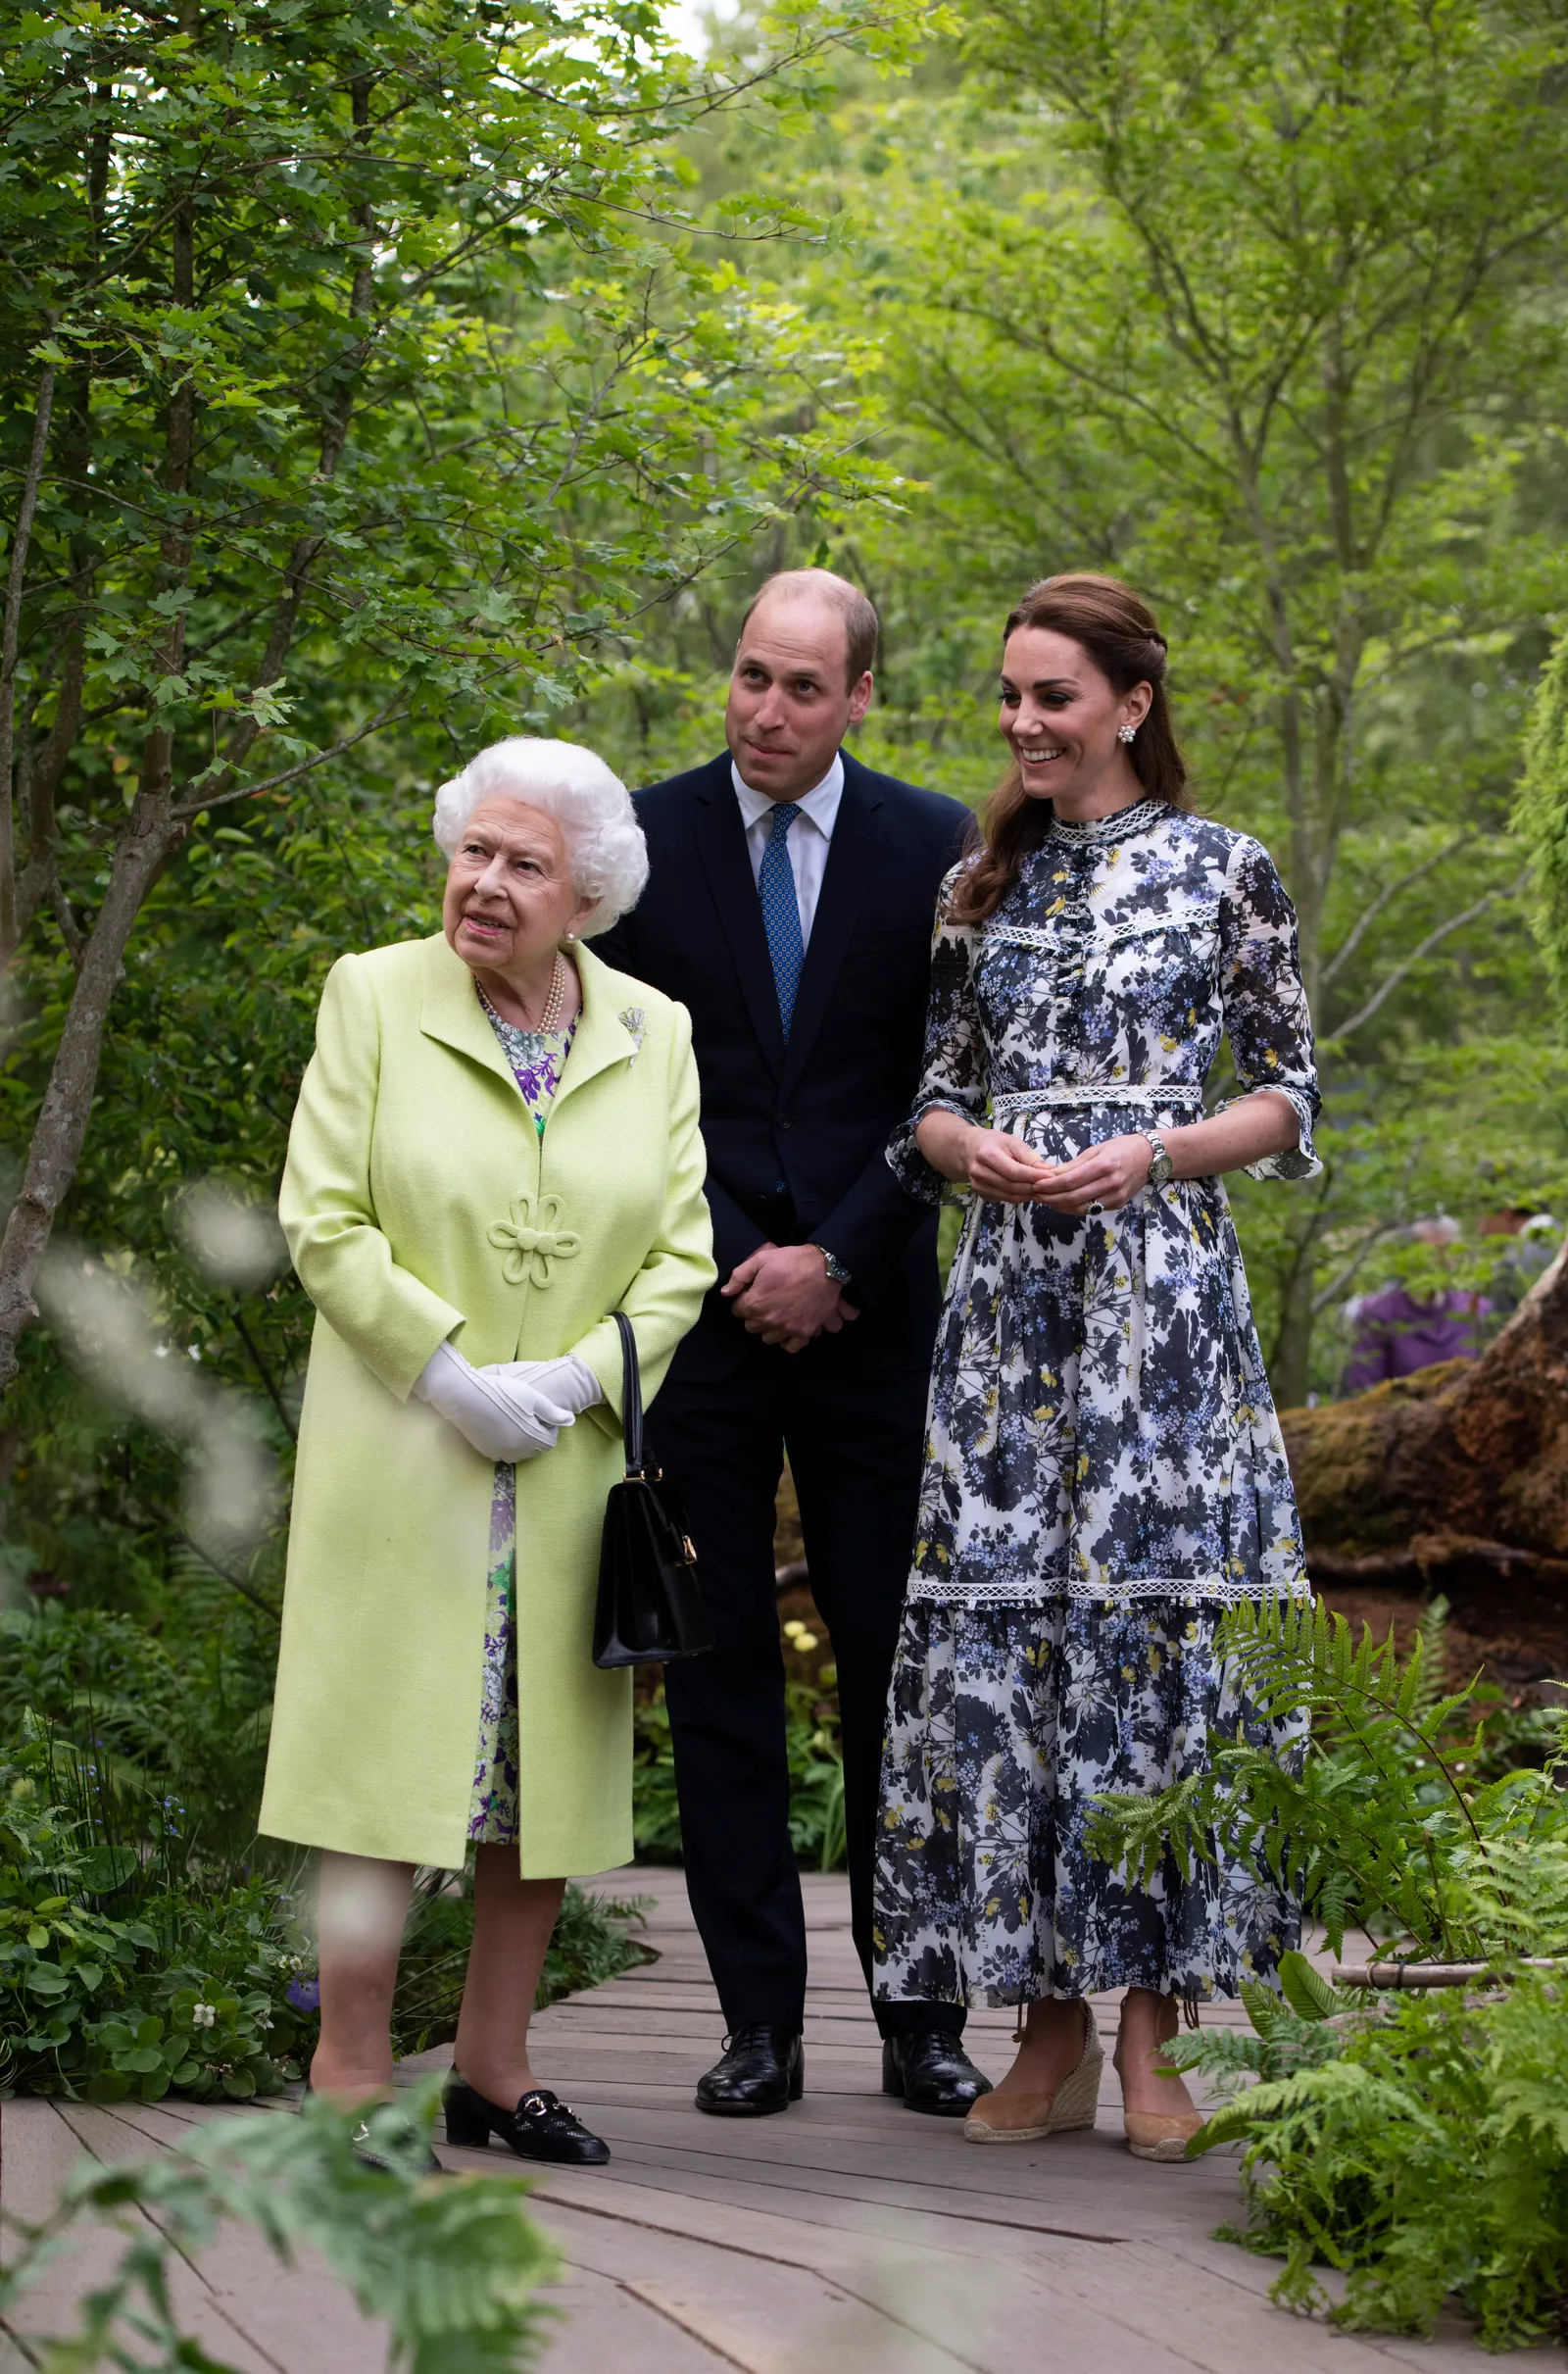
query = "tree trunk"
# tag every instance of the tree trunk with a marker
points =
(148, 841)
(1457, 1477)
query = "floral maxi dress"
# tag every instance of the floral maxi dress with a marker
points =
(1105, 1472)
(537, 1059)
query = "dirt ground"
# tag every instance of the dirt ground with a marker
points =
(1525, 1655)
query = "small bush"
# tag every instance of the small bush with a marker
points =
(1419, 2147)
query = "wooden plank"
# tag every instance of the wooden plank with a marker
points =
(47, 2309)
(848, 2234)
(291, 2320)
(629, 2334)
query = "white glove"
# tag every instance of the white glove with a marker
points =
(499, 1410)
(567, 1380)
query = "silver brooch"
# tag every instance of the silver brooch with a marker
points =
(635, 1021)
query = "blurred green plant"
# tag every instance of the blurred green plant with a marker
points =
(816, 1776)
(454, 2266)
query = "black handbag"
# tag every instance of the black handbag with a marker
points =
(650, 1609)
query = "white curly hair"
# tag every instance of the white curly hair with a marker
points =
(591, 805)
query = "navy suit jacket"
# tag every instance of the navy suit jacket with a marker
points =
(816, 1109)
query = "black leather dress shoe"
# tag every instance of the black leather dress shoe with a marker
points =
(541, 2127)
(763, 2069)
(933, 2072)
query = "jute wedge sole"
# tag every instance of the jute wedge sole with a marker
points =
(1161, 2135)
(1027, 2118)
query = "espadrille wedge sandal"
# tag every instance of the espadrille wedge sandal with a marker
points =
(1026, 2118)
(1162, 2135)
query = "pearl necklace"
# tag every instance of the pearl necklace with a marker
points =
(549, 1020)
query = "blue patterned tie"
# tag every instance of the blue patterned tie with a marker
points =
(781, 910)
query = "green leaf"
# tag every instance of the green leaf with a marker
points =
(107, 1868)
(1309, 1994)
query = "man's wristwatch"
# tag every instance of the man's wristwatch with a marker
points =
(1161, 1170)
(833, 1265)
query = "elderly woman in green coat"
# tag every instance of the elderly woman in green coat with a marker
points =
(496, 1146)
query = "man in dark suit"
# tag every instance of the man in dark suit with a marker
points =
(790, 906)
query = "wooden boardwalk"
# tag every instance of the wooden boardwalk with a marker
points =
(848, 2234)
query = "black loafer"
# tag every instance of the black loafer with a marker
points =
(763, 2070)
(933, 2072)
(365, 2153)
(541, 2127)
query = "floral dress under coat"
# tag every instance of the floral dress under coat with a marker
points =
(538, 1059)
(1105, 1472)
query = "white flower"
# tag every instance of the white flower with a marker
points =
(204, 2016)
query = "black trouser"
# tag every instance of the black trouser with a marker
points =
(850, 1413)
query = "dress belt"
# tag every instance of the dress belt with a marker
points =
(1092, 1092)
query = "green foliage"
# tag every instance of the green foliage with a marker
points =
(816, 1776)
(1213, 298)
(1540, 814)
(116, 1977)
(1415, 2142)
(1420, 2148)
(161, 1739)
(1376, 1819)
(452, 2264)
(131, 1965)
(592, 1942)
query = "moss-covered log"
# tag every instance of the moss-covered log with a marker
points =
(1455, 1478)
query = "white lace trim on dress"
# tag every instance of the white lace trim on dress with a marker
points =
(1077, 1094)
(1192, 1590)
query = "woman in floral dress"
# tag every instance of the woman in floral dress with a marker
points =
(1104, 1473)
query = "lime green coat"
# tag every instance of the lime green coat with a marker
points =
(420, 1204)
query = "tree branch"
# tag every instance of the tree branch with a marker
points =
(141, 853)
(266, 1375)
(1384, 900)
(226, 1574)
(1434, 939)
(9, 642)
(248, 791)
(1331, 1292)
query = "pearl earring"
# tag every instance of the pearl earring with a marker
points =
(1126, 733)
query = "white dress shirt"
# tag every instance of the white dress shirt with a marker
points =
(810, 836)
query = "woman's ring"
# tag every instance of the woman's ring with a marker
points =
(1094, 1210)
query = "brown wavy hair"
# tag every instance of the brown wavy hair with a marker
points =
(1122, 637)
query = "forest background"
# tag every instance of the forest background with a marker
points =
(377, 381)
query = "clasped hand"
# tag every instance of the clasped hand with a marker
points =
(784, 1294)
(1004, 1170)
(512, 1410)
